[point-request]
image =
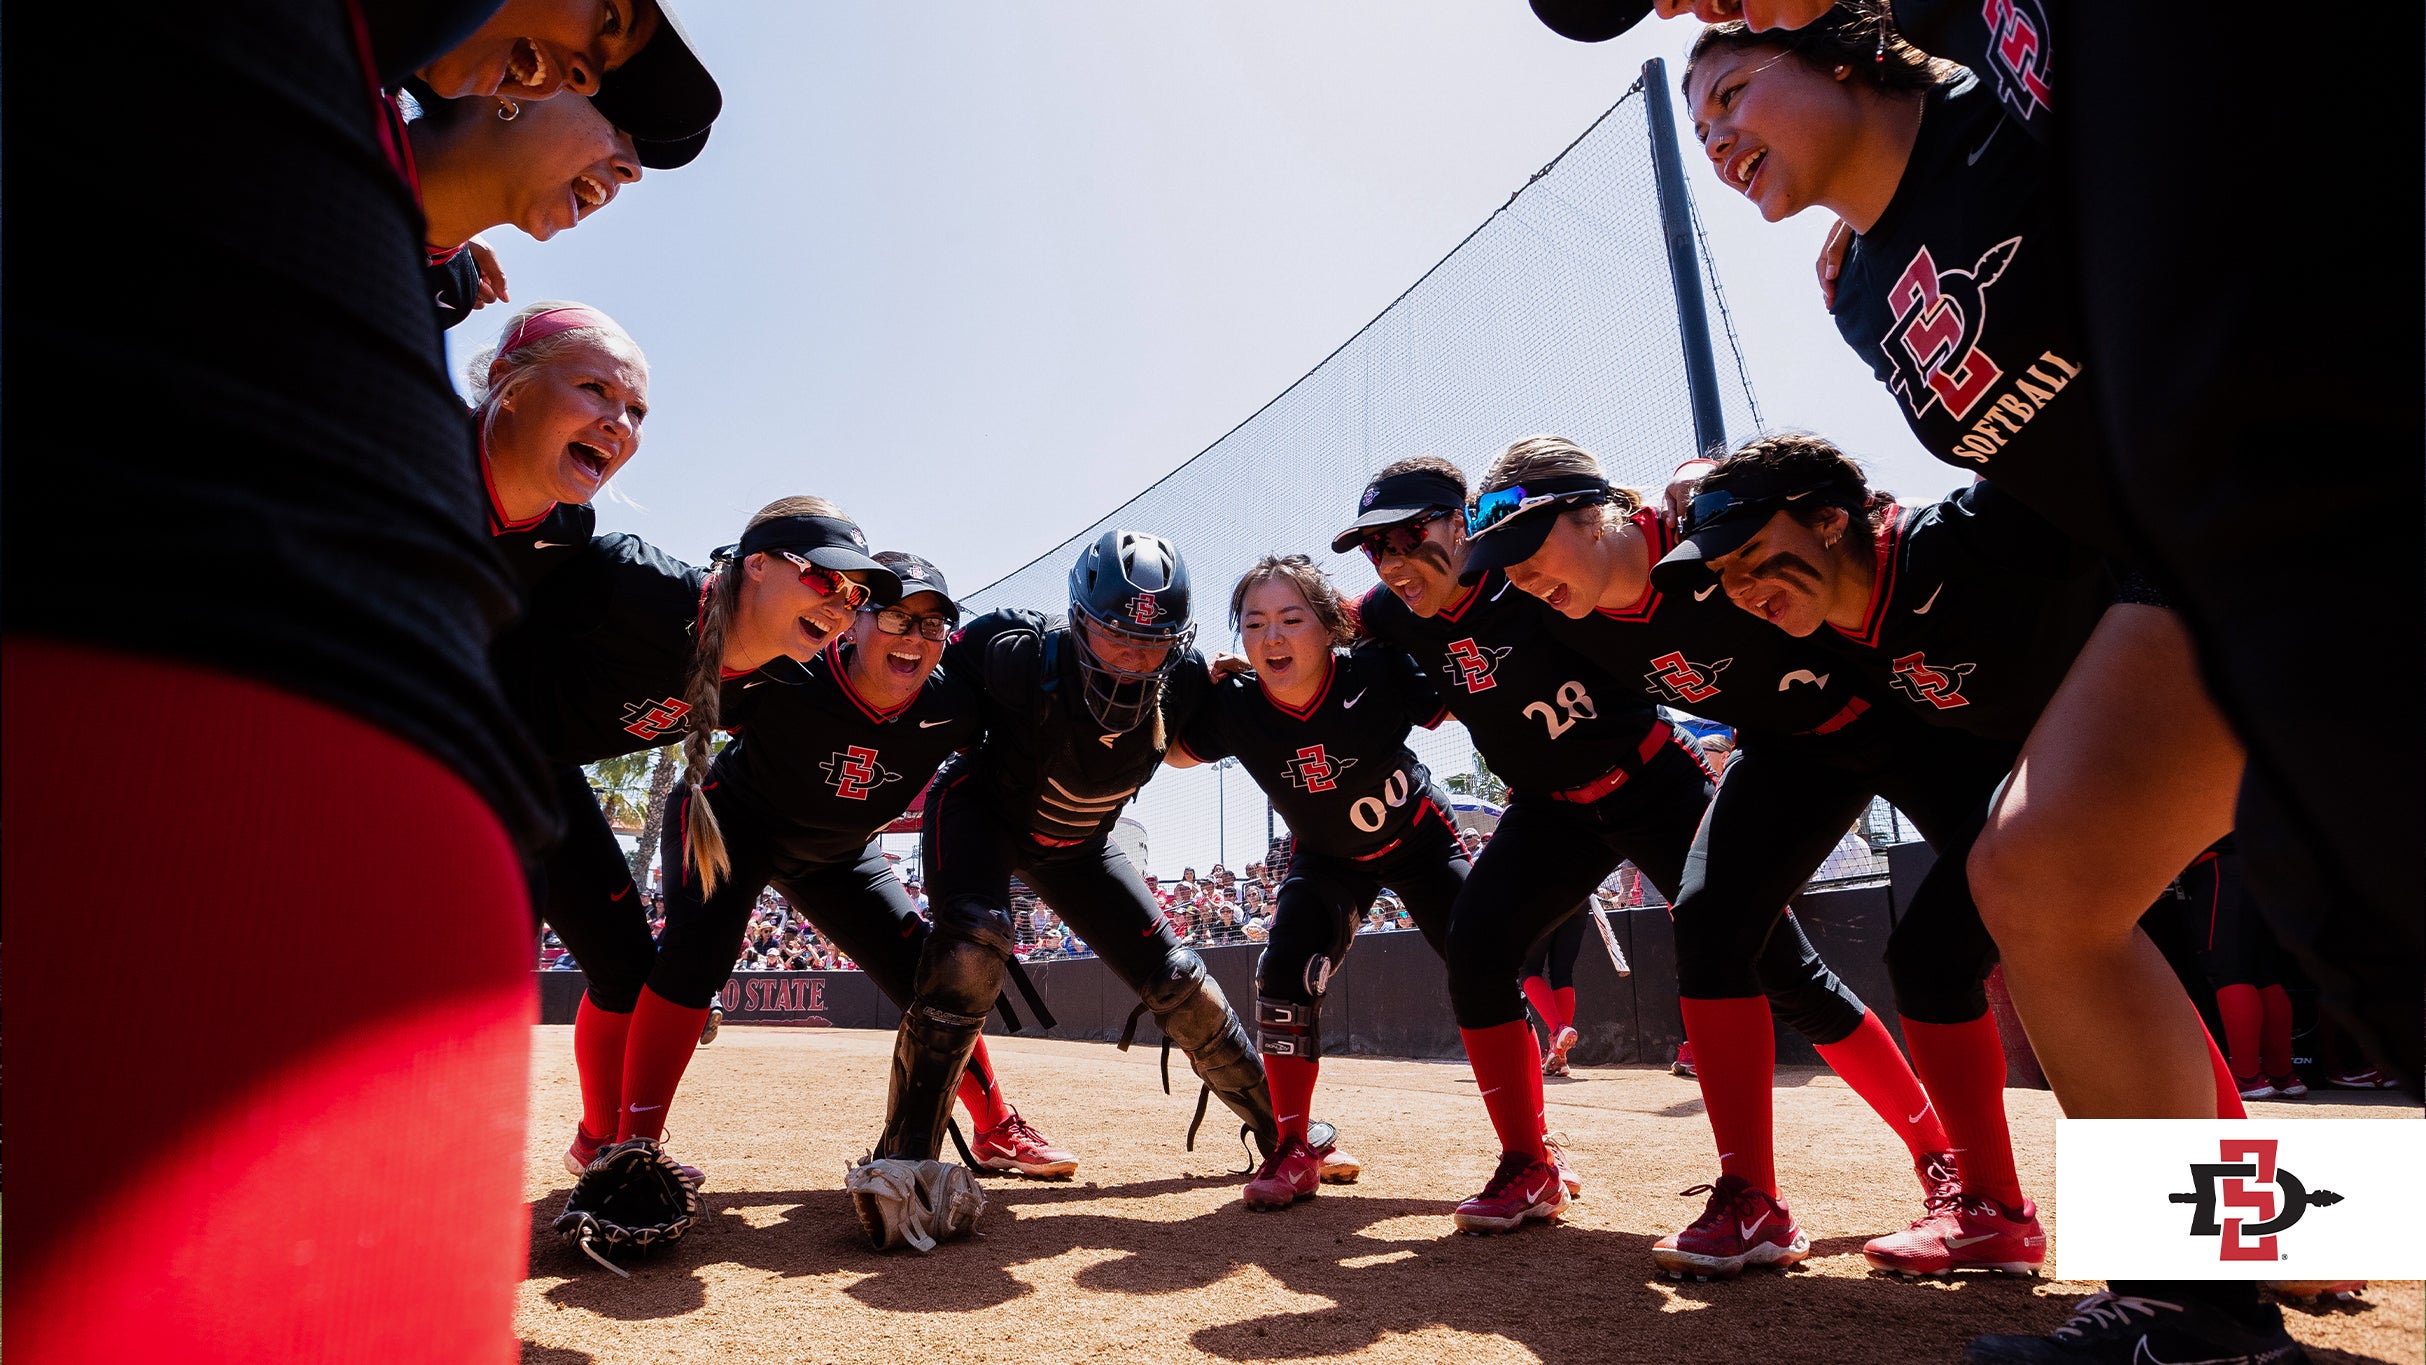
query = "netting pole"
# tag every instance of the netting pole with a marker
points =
(1684, 270)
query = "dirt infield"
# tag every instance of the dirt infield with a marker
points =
(1149, 1256)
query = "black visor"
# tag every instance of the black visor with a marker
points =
(1394, 498)
(828, 543)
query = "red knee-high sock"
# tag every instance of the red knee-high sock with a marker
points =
(598, 1055)
(2274, 1035)
(1292, 1081)
(663, 1037)
(1964, 1067)
(1870, 1062)
(981, 1091)
(1508, 1071)
(2244, 1019)
(1565, 996)
(1537, 991)
(1735, 1059)
(2227, 1090)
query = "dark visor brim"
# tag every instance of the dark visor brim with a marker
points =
(1510, 543)
(1377, 518)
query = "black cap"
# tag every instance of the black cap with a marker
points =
(1393, 498)
(918, 575)
(670, 154)
(828, 543)
(1590, 21)
(663, 93)
(1723, 517)
(1517, 536)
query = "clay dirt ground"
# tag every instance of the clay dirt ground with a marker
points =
(1149, 1256)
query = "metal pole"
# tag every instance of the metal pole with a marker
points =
(1684, 265)
(1221, 799)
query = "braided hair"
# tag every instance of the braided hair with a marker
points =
(702, 839)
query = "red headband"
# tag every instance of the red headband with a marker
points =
(539, 326)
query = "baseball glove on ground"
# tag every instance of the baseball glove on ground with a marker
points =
(633, 1195)
(912, 1204)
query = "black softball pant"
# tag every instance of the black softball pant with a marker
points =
(856, 902)
(586, 895)
(1555, 963)
(1547, 856)
(1319, 904)
(1785, 803)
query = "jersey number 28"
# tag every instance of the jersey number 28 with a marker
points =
(1573, 700)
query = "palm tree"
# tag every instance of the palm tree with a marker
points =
(1482, 783)
(621, 785)
(661, 785)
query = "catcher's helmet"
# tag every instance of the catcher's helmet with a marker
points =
(1132, 588)
(1591, 21)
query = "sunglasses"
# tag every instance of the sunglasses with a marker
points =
(1399, 538)
(827, 582)
(1719, 503)
(1496, 507)
(895, 621)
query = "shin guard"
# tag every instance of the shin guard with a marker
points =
(930, 1051)
(1194, 1014)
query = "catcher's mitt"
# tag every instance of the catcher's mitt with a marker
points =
(633, 1195)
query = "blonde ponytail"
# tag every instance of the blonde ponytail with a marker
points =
(702, 839)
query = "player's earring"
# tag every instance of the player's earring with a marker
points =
(508, 111)
(1882, 44)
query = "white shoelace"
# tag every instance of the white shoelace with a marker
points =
(2110, 1310)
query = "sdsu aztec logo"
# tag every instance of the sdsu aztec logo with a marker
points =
(654, 719)
(2236, 1185)
(1940, 686)
(1470, 665)
(853, 772)
(1932, 349)
(1142, 610)
(1371, 496)
(2017, 44)
(1315, 771)
(1677, 679)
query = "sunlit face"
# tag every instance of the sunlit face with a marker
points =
(1425, 578)
(569, 424)
(1121, 655)
(905, 659)
(1778, 130)
(567, 163)
(1787, 575)
(1284, 639)
(1571, 569)
(1758, 15)
(781, 612)
(531, 49)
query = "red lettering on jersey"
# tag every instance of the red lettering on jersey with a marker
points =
(1935, 339)
(1315, 771)
(853, 772)
(1939, 685)
(654, 719)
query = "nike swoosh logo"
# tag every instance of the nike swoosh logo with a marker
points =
(752, 683)
(644, 1108)
(1704, 594)
(627, 890)
(2141, 1355)
(931, 724)
(1982, 149)
(1956, 1243)
(1923, 608)
(1916, 1117)
(551, 544)
(1352, 701)
(1495, 1089)
(1745, 1230)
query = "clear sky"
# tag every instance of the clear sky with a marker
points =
(980, 272)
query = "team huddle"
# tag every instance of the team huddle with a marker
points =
(2075, 675)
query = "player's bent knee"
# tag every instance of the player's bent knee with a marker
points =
(976, 918)
(960, 975)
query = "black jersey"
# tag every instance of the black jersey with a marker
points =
(453, 278)
(538, 546)
(828, 769)
(1047, 768)
(598, 664)
(1695, 650)
(2008, 43)
(1979, 608)
(1544, 717)
(1339, 771)
(1963, 300)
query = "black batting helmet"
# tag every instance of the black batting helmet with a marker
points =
(1133, 588)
